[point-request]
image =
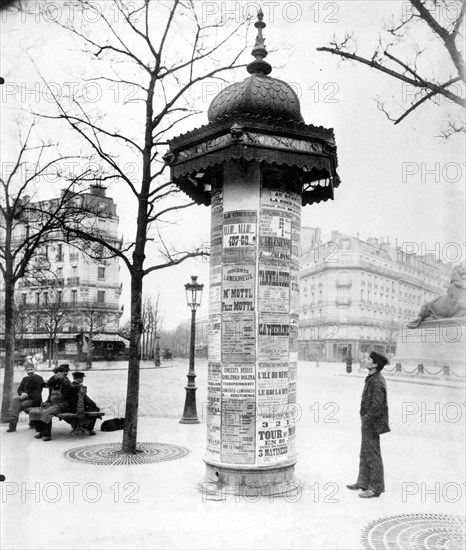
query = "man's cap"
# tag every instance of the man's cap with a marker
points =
(78, 374)
(61, 368)
(66, 367)
(379, 358)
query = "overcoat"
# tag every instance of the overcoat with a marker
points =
(374, 405)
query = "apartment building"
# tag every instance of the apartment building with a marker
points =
(75, 299)
(355, 294)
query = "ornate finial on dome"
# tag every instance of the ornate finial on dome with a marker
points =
(259, 66)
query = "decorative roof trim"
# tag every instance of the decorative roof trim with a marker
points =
(269, 125)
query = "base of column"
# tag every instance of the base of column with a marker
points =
(244, 481)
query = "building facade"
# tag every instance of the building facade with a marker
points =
(355, 295)
(72, 300)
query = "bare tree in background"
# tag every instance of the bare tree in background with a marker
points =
(136, 40)
(151, 327)
(25, 226)
(390, 336)
(444, 19)
(53, 318)
(93, 322)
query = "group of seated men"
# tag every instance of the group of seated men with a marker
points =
(63, 397)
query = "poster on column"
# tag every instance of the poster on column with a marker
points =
(273, 335)
(238, 428)
(215, 289)
(238, 338)
(296, 251)
(275, 236)
(214, 411)
(238, 288)
(216, 231)
(272, 388)
(280, 200)
(239, 236)
(214, 337)
(274, 288)
(272, 440)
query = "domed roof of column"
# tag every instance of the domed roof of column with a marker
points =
(259, 94)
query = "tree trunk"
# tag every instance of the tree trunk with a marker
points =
(90, 348)
(132, 393)
(9, 345)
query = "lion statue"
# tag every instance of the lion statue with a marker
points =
(450, 304)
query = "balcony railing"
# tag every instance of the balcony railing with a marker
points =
(343, 301)
(72, 281)
(343, 282)
(74, 257)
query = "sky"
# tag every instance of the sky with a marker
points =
(399, 181)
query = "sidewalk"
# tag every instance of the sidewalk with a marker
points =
(162, 505)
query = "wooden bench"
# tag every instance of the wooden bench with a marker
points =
(78, 420)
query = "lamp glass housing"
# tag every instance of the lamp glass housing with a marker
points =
(194, 292)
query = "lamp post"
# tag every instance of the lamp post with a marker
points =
(193, 298)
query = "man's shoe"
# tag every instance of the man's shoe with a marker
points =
(369, 494)
(355, 487)
(11, 427)
(46, 438)
(38, 436)
(92, 432)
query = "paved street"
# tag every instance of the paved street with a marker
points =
(162, 505)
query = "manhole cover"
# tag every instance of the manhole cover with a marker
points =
(415, 531)
(110, 454)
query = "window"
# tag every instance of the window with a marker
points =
(46, 298)
(24, 297)
(74, 296)
(101, 274)
(60, 253)
(37, 298)
(59, 297)
(101, 296)
(60, 273)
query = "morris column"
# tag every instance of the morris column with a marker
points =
(256, 163)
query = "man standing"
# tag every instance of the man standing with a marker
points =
(374, 422)
(29, 395)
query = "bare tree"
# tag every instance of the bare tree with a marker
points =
(162, 78)
(151, 327)
(444, 20)
(52, 319)
(390, 335)
(25, 226)
(94, 321)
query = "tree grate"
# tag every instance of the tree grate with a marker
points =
(415, 531)
(106, 454)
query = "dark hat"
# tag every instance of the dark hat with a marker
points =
(78, 374)
(61, 368)
(378, 358)
(65, 366)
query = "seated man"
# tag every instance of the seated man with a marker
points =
(89, 405)
(29, 395)
(62, 398)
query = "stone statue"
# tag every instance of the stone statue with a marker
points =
(448, 305)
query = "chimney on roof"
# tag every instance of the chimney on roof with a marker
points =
(97, 190)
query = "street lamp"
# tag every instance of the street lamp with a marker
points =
(193, 298)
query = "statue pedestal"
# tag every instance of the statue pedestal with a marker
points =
(434, 343)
